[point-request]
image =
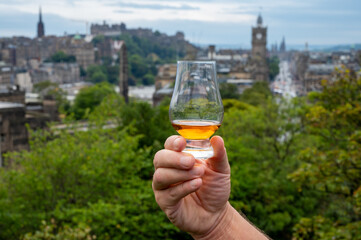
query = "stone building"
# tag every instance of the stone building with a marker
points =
(164, 82)
(12, 94)
(259, 52)
(23, 80)
(13, 133)
(310, 68)
(81, 49)
(106, 30)
(56, 72)
(7, 54)
(6, 74)
(176, 41)
(166, 75)
(315, 73)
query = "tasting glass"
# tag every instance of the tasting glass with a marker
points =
(196, 109)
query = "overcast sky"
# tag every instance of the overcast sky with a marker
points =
(318, 22)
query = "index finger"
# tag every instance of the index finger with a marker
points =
(175, 143)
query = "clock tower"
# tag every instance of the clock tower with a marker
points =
(259, 51)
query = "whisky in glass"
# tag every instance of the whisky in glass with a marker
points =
(196, 110)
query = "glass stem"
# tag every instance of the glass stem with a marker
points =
(200, 149)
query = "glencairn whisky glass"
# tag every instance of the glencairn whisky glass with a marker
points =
(196, 109)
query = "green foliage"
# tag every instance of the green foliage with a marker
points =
(273, 66)
(332, 165)
(98, 39)
(86, 183)
(60, 56)
(53, 232)
(103, 73)
(52, 90)
(229, 104)
(145, 46)
(138, 66)
(98, 77)
(88, 98)
(228, 91)
(257, 95)
(152, 124)
(262, 144)
(143, 55)
(295, 167)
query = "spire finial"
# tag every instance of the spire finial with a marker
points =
(259, 19)
(40, 14)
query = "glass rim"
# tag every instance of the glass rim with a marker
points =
(196, 61)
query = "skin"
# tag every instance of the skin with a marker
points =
(193, 193)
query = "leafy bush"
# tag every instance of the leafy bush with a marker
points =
(295, 169)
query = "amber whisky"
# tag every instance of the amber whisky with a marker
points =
(195, 130)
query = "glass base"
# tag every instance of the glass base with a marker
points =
(200, 149)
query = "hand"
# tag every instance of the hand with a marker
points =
(193, 193)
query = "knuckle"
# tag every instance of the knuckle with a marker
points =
(158, 178)
(168, 141)
(159, 158)
(156, 159)
(173, 192)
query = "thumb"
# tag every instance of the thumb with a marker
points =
(219, 161)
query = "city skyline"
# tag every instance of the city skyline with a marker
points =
(203, 22)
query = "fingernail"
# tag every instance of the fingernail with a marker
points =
(177, 143)
(185, 161)
(195, 183)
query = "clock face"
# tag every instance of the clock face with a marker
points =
(259, 36)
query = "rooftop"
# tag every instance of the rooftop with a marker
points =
(6, 105)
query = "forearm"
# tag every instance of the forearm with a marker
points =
(232, 226)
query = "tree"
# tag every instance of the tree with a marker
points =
(148, 79)
(262, 144)
(98, 77)
(87, 183)
(98, 39)
(228, 91)
(257, 95)
(273, 66)
(138, 66)
(60, 56)
(332, 166)
(88, 98)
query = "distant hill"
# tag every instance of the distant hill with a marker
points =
(344, 47)
(298, 47)
(325, 48)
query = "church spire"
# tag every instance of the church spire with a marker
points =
(40, 20)
(259, 20)
(40, 25)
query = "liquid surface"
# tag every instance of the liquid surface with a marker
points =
(191, 129)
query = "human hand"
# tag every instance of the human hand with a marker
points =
(193, 193)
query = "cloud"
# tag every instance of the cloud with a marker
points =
(154, 6)
(203, 21)
(124, 11)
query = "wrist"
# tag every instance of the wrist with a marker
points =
(221, 226)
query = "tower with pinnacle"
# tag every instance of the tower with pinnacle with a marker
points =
(259, 51)
(40, 25)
